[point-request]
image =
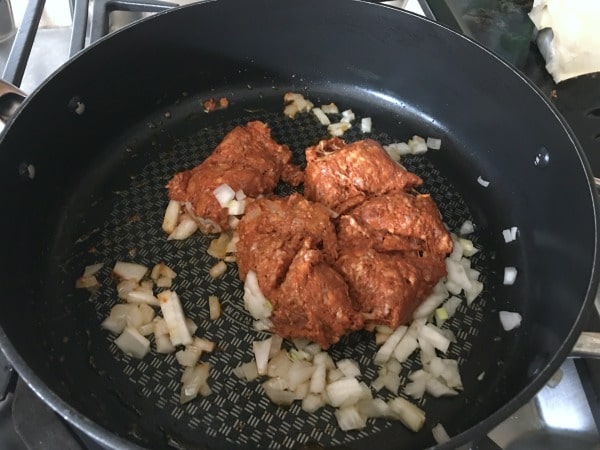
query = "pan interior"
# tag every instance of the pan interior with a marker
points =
(116, 215)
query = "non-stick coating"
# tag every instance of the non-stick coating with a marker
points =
(97, 195)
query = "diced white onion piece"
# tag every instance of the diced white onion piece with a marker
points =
(262, 325)
(409, 414)
(191, 325)
(313, 349)
(345, 391)
(483, 182)
(312, 403)
(391, 382)
(385, 351)
(417, 145)
(453, 288)
(278, 395)
(452, 305)
(348, 116)
(129, 271)
(330, 109)
(380, 338)
(427, 351)
(290, 110)
(172, 312)
(468, 247)
(146, 312)
(240, 195)
(457, 274)
(373, 408)
(405, 348)
(318, 379)
(334, 375)
(194, 382)
(171, 216)
(434, 143)
(349, 418)
(435, 337)
(366, 125)
(163, 344)
(142, 296)
(431, 303)
(439, 434)
(301, 391)
(114, 325)
(279, 365)
(338, 129)
(89, 282)
(254, 301)
(323, 358)
(224, 194)
(92, 270)
(247, 371)
(393, 366)
(132, 343)
(349, 367)
(164, 282)
(214, 307)
(126, 286)
(513, 232)
(510, 320)
(236, 207)
(321, 116)
(184, 230)
(261, 355)
(378, 383)
(507, 235)
(203, 344)
(160, 327)
(510, 275)
(473, 293)
(146, 329)
(438, 389)
(218, 269)
(467, 228)
(481, 376)
(416, 389)
(298, 373)
(188, 357)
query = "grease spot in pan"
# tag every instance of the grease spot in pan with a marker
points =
(542, 159)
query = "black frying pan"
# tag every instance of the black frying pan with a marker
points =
(97, 195)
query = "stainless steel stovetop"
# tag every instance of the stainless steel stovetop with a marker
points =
(564, 414)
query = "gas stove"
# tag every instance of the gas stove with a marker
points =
(38, 36)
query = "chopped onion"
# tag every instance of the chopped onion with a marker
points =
(89, 282)
(374, 407)
(435, 299)
(417, 145)
(218, 269)
(279, 364)
(330, 109)
(345, 391)
(194, 380)
(318, 379)
(391, 382)
(483, 182)
(438, 389)
(321, 116)
(184, 230)
(348, 116)
(435, 337)
(510, 320)
(129, 271)
(457, 274)
(349, 367)
(312, 402)
(92, 270)
(386, 350)
(171, 216)
(439, 434)
(261, 355)
(481, 376)
(349, 418)
(393, 366)
(236, 207)
(405, 348)
(174, 318)
(224, 194)
(163, 344)
(338, 129)
(427, 351)
(254, 301)
(247, 371)
(142, 296)
(452, 305)
(366, 124)
(467, 228)
(278, 394)
(409, 414)
(472, 293)
(124, 287)
(188, 357)
(262, 325)
(468, 247)
(434, 143)
(132, 343)
(214, 307)
(323, 358)
(299, 372)
(510, 275)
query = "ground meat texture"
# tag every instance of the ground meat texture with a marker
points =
(342, 176)
(247, 159)
(388, 287)
(312, 302)
(291, 245)
(396, 221)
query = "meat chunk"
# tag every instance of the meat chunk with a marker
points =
(396, 221)
(341, 175)
(247, 159)
(392, 249)
(388, 287)
(291, 245)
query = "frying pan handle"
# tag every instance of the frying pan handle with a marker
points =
(587, 346)
(11, 98)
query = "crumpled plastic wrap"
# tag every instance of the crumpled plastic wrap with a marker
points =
(572, 47)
